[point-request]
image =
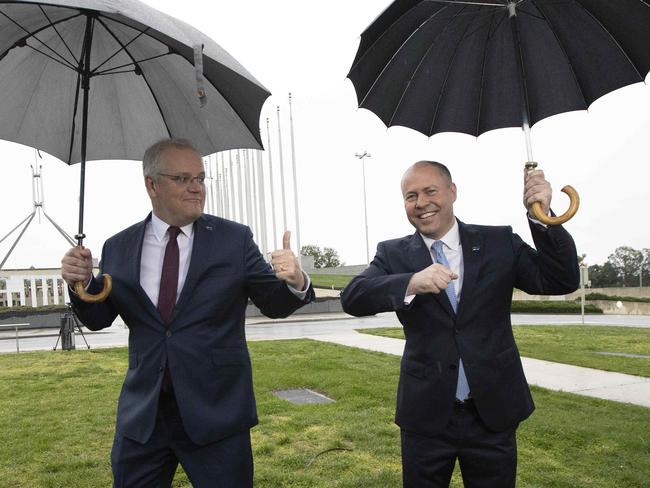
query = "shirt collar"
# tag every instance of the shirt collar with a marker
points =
(160, 227)
(451, 239)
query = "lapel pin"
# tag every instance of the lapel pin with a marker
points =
(476, 248)
(208, 227)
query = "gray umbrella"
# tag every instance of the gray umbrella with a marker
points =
(99, 79)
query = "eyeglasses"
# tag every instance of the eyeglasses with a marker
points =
(184, 180)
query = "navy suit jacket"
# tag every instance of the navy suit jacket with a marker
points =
(204, 344)
(495, 261)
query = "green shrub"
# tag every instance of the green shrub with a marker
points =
(614, 298)
(535, 306)
(23, 311)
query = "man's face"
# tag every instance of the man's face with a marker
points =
(175, 202)
(429, 200)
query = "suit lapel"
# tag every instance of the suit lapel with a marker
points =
(420, 258)
(472, 243)
(199, 256)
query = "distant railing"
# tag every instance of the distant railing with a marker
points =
(15, 327)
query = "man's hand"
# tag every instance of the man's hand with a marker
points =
(537, 189)
(77, 265)
(433, 279)
(286, 265)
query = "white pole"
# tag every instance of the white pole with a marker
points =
(295, 180)
(270, 153)
(231, 173)
(239, 187)
(363, 157)
(262, 199)
(284, 196)
(247, 181)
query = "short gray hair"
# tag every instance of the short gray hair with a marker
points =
(151, 158)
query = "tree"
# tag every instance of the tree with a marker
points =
(603, 275)
(627, 262)
(327, 258)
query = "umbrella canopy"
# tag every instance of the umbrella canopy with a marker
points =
(464, 66)
(140, 67)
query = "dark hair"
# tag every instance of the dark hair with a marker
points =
(151, 158)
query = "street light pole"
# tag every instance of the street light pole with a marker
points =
(363, 157)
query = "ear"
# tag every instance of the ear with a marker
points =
(453, 192)
(150, 185)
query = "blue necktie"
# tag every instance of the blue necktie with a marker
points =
(462, 387)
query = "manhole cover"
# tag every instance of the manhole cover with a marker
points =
(302, 396)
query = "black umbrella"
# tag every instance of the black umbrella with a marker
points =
(102, 79)
(474, 66)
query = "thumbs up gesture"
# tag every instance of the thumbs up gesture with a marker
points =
(286, 264)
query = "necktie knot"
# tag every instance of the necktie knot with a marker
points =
(437, 247)
(173, 232)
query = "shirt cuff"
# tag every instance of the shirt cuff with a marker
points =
(301, 294)
(535, 221)
(408, 299)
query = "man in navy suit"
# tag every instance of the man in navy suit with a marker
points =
(181, 283)
(462, 390)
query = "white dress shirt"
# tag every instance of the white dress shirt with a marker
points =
(155, 242)
(453, 252)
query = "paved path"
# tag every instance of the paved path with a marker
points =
(340, 329)
(554, 376)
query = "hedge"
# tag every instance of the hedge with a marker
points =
(551, 306)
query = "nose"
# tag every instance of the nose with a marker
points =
(194, 186)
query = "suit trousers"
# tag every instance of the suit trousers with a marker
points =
(487, 459)
(223, 464)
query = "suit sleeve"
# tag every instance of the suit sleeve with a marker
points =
(552, 269)
(271, 295)
(377, 289)
(94, 316)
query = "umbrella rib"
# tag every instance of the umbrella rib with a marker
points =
(123, 47)
(58, 34)
(134, 63)
(613, 39)
(153, 94)
(444, 84)
(483, 4)
(482, 84)
(23, 40)
(394, 54)
(568, 60)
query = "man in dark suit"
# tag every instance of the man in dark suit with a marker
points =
(181, 283)
(462, 390)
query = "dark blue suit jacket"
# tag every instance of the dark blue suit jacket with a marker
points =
(205, 343)
(495, 261)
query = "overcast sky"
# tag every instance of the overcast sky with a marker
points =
(306, 48)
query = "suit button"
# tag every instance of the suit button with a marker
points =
(452, 366)
(161, 369)
(169, 333)
(457, 330)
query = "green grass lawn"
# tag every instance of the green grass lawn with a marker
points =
(57, 417)
(329, 281)
(575, 345)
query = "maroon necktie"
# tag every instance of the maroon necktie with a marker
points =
(169, 277)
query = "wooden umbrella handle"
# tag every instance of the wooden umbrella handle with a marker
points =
(538, 213)
(574, 198)
(80, 290)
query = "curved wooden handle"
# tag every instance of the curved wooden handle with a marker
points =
(539, 214)
(80, 290)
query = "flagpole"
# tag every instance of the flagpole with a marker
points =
(295, 179)
(262, 199)
(268, 136)
(284, 196)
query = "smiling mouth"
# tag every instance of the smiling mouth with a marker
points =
(427, 215)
